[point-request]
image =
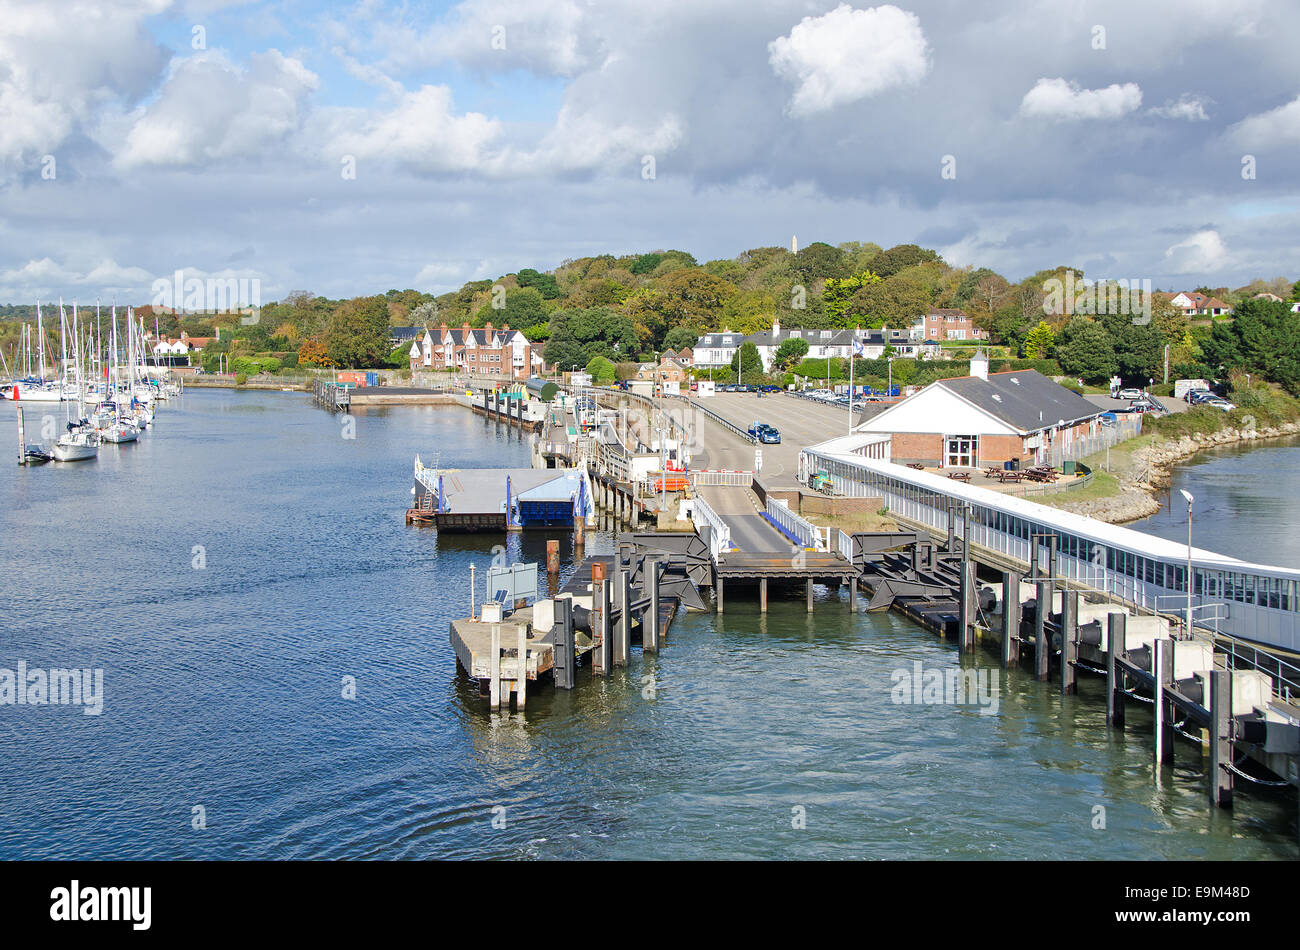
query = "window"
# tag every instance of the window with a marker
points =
(962, 451)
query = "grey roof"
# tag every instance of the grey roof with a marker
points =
(401, 334)
(718, 340)
(1024, 399)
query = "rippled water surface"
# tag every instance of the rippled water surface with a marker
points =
(223, 688)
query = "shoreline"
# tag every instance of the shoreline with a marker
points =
(1150, 471)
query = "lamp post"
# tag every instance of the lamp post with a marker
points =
(1188, 495)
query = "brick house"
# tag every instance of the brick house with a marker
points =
(487, 351)
(667, 370)
(947, 323)
(985, 419)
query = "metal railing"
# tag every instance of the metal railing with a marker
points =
(730, 479)
(803, 530)
(702, 514)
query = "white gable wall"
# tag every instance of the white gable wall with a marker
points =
(937, 411)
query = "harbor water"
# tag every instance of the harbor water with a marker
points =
(241, 565)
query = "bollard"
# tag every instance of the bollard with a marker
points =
(1115, 649)
(1069, 642)
(1042, 647)
(552, 557)
(1010, 620)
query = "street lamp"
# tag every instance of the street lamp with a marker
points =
(1188, 495)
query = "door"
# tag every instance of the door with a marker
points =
(961, 452)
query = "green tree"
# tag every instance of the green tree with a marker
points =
(749, 362)
(818, 261)
(1085, 349)
(837, 293)
(523, 309)
(1039, 342)
(895, 302)
(791, 351)
(680, 338)
(358, 334)
(890, 262)
(602, 371)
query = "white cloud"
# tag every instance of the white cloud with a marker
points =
(61, 62)
(847, 55)
(421, 131)
(1201, 253)
(1280, 126)
(44, 279)
(1062, 100)
(1186, 106)
(211, 109)
(546, 37)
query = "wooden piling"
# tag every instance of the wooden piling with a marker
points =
(809, 584)
(718, 586)
(1115, 648)
(853, 594)
(1069, 642)
(22, 439)
(1042, 646)
(1162, 665)
(552, 557)
(1010, 620)
(1220, 778)
(762, 595)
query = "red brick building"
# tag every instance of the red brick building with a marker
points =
(487, 351)
(949, 323)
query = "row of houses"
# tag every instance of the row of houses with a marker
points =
(485, 351)
(921, 341)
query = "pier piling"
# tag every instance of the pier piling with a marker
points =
(552, 557)
(564, 651)
(494, 668)
(1115, 648)
(762, 595)
(809, 584)
(1042, 646)
(1010, 620)
(623, 629)
(521, 677)
(966, 620)
(1069, 642)
(1220, 778)
(650, 622)
(1162, 659)
(718, 587)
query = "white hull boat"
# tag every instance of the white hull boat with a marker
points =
(76, 447)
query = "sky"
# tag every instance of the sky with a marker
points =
(350, 148)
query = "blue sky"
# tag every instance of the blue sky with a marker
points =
(490, 135)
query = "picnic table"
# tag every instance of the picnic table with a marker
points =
(959, 476)
(1005, 476)
(916, 465)
(993, 471)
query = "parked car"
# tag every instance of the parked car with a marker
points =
(1223, 404)
(769, 436)
(1194, 396)
(694, 386)
(1147, 405)
(1130, 394)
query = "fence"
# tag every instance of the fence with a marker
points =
(1126, 426)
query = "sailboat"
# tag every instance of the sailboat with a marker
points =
(81, 440)
(110, 421)
(38, 388)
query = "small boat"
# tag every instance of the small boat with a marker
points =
(34, 454)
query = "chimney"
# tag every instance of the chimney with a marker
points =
(776, 327)
(979, 365)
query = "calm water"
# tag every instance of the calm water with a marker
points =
(223, 688)
(1245, 503)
